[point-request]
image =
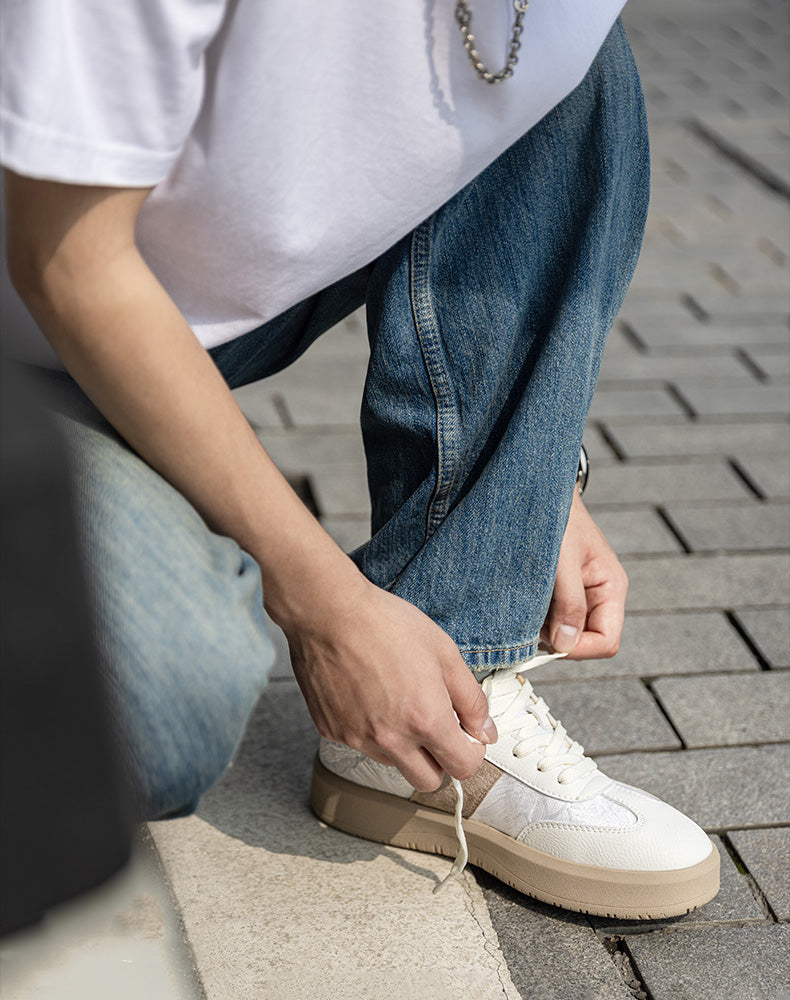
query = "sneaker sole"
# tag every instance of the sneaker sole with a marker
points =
(606, 892)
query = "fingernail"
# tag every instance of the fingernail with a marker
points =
(489, 733)
(566, 638)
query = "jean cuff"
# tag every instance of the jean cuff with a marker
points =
(484, 661)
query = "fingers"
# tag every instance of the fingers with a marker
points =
(568, 609)
(468, 700)
(601, 638)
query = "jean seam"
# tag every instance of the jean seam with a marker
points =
(427, 329)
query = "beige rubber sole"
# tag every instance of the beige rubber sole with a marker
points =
(365, 812)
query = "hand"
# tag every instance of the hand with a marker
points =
(587, 608)
(378, 675)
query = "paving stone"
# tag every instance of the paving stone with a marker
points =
(341, 490)
(769, 630)
(766, 854)
(281, 668)
(300, 450)
(660, 484)
(656, 645)
(735, 902)
(348, 532)
(752, 525)
(596, 444)
(343, 370)
(317, 407)
(634, 403)
(636, 532)
(608, 716)
(738, 708)
(259, 405)
(276, 905)
(750, 963)
(770, 475)
(663, 367)
(121, 939)
(731, 400)
(657, 334)
(772, 362)
(667, 583)
(721, 788)
(661, 440)
(551, 954)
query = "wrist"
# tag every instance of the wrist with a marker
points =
(314, 591)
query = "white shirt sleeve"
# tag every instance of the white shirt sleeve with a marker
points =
(101, 91)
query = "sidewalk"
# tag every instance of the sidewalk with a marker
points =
(691, 483)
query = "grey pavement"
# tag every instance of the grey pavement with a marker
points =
(691, 481)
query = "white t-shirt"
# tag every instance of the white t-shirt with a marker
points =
(290, 142)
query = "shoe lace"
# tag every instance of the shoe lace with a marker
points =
(516, 708)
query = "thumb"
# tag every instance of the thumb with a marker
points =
(568, 610)
(469, 702)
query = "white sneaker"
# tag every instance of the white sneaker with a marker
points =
(538, 815)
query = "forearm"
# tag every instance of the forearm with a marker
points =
(127, 345)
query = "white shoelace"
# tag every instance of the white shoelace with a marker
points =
(516, 708)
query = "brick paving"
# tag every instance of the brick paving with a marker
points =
(691, 481)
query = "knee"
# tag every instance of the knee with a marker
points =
(183, 708)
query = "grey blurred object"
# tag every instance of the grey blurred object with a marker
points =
(65, 823)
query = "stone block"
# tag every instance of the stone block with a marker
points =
(320, 405)
(729, 527)
(726, 788)
(609, 716)
(766, 853)
(729, 400)
(635, 404)
(551, 954)
(774, 363)
(348, 532)
(708, 963)
(728, 709)
(276, 905)
(661, 484)
(695, 582)
(656, 645)
(636, 532)
(281, 668)
(659, 334)
(596, 444)
(770, 475)
(769, 630)
(735, 902)
(709, 367)
(659, 440)
(300, 450)
(341, 490)
(260, 405)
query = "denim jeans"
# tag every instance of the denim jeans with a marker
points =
(486, 324)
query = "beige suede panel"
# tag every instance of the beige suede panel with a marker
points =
(475, 790)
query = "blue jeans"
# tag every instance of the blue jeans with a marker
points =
(487, 324)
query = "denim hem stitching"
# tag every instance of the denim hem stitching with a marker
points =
(487, 658)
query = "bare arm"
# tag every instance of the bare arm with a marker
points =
(376, 673)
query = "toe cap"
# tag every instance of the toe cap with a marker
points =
(662, 839)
